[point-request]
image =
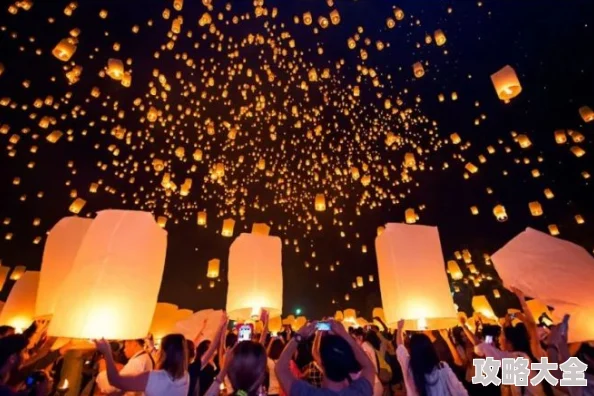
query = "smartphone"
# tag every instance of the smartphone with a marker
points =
(489, 339)
(245, 333)
(563, 324)
(323, 326)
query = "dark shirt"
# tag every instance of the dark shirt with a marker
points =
(204, 378)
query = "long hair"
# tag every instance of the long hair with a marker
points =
(248, 367)
(202, 348)
(423, 360)
(173, 357)
(275, 348)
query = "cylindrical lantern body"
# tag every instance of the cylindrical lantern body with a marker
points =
(112, 289)
(586, 113)
(201, 218)
(481, 305)
(17, 272)
(454, 270)
(228, 225)
(61, 247)
(413, 283)
(360, 281)
(255, 276)
(260, 229)
(19, 310)
(3, 275)
(320, 203)
(115, 69)
(506, 83)
(163, 321)
(418, 70)
(213, 268)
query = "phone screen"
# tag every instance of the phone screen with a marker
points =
(489, 339)
(245, 333)
(323, 326)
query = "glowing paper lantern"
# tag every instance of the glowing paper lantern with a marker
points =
(65, 49)
(299, 322)
(228, 226)
(413, 283)
(163, 320)
(481, 305)
(320, 203)
(440, 37)
(454, 270)
(3, 276)
(77, 205)
(202, 218)
(255, 276)
(213, 268)
(553, 229)
(524, 141)
(61, 247)
(360, 281)
(104, 296)
(578, 151)
(335, 17)
(560, 136)
(19, 310)
(115, 69)
(18, 272)
(260, 229)
(586, 113)
(506, 83)
(410, 216)
(275, 325)
(500, 213)
(418, 70)
(535, 209)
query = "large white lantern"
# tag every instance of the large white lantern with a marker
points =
(112, 289)
(413, 281)
(255, 276)
(59, 253)
(19, 310)
(164, 319)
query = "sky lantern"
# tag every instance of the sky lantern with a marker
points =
(77, 205)
(228, 226)
(163, 320)
(418, 70)
(178, 5)
(115, 69)
(398, 13)
(213, 268)
(524, 141)
(61, 247)
(112, 301)
(260, 229)
(65, 49)
(307, 18)
(481, 305)
(162, 221)
(549, 193)
(454, 270)
(19, 310)
(335, 17)
(18, 272)
(410, 216)
(474, 210)
(586, 113)
(201, 218)
(359, 281)
(323, 22)
(390, 23)
(500, 213)
(506, 83)
(413, 282)
(535, 208)
(455, 138)
(440, 37)
(320, 202)
(578, 151)
(553, 229)
(275, 325)
(560, 136)
(578, 219)
(255, 277)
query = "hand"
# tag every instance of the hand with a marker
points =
(264, 316)
(400, 324)
(444, 334)
(308, 330)
(462, 319)
(224, 320)
(517, 292)
(103, 347)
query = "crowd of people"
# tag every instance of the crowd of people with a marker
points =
(322, 358)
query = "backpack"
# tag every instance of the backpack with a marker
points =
(384, 371)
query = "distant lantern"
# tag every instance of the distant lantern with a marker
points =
(370, 278)
(152, 114)
(496, 293)
(553, 229)
(524, 141)
(323, 22)
(418, 70)
(576, 136)
(366, 180)
(176, 25)
(359, 281)
(409, 160)
(454, 270)
(579, 219)
(115, 69)
(127, 80)
(347, 297)
(197, 155)
(560, 136)
(307, 18)
(586, 113)
(255, 277)
(398, 14)
(466, 256)
(535, 208)
(578, 151)
(413, 283)
(506, 83)
(228, 225)
(470, 167)
(474, 210)
(410, 216)
(440, 37)
(162, 221)
(201, 218)
(335, 17)
(213, 268)
(19, 310)
(364, 249)
(455, 138)
(178, 4)
(548, 193)
(103, 296)
(62, 245)
(481, 305)
(500, 213)
(320, 202)
(390, 23)
(77, 205)
(18, 272)
(65, 49)
(260, 229)
(351, 43)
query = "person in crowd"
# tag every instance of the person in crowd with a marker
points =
(370, 343)
(202, 369)
(12, 348)
(6, 331)
(245, 366)
(275, 348)
(312, 372)
(424, 374)
(139, 361)
(339, 357)
(170, 377)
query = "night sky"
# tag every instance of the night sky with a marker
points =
(549, 44)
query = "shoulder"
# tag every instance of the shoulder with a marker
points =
(302, 388)
(360, 387)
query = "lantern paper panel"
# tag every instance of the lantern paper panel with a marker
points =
(506, 83)
(207, 320)
(413, 283)
(19, 310)
(112, 300)
(255, 276)
(213, 268)
(61, 247)
(481, 305)
(163, 321)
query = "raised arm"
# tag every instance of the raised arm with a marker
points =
(367, 367)
(198, 337)
(264, 334)
(215, 342)
(283, 368)
(469, 334)
(530, 323)
(453, 350)
(129, 383)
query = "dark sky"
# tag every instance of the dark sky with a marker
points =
(548, 43)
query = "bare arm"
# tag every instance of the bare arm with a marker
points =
(399, 335)
(531, 327)
(469, 334)
(129, 383)
(198, 337)
(264, 334)
(214, 344)
(453, 350)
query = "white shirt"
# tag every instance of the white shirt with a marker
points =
(369, 350)
(273, 385)
(160, 383)
(137, 364)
